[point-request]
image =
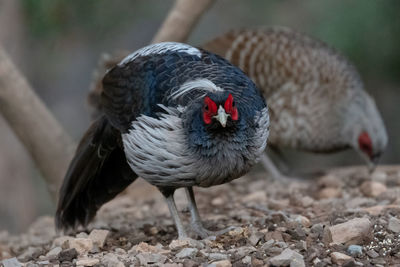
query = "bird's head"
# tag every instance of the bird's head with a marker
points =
(219, 111)
(368, 133)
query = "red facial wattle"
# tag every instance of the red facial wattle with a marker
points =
(209, 110)
(365, 144)
(230, 108)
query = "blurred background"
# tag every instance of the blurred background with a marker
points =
(56, 44)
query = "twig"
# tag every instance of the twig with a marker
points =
(44, 138)
(181, 20)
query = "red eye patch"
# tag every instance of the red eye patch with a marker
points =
(365, 143)
(230, 108)
(209, 110)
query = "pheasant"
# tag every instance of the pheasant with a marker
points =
(316, 97)
(175, 115)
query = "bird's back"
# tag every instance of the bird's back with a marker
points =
(307, 83)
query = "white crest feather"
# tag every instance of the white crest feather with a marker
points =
(200, 84)
(161, 48)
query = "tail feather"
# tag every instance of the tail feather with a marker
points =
(97, 173)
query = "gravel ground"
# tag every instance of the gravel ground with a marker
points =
(345, 218)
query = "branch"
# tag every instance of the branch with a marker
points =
(181, 20)
(44, 138)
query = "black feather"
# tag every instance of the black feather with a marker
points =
(97, 173)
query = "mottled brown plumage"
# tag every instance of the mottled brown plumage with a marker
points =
(316, 97)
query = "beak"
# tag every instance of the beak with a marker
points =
(222, 117)
(373, 163)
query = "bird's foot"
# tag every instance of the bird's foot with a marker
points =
(198, 228)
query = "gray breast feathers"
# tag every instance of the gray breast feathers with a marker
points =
(157, 150)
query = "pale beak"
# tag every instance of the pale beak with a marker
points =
(373, 163)
(222, 117)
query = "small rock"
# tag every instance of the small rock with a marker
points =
(217, 201)
(307, 201)
(329, 192)
(330, 180)
(372, 189)
(143, 247)
(87, 262)
(151, 258)
(372, 253)
(257, 196)
(224, 263)
(394, 225)
(67, 255)
(62, 241)
(355, 231)
(187, 242)
(267, 244)
(13, 262)
(187, 253)
(82, 245)
(99, 237)
(340, 258)
(304, 221)
(288, 257)
(110, 260)
(236, 232)
(317, 229)
(82, 235)
(255, 237)
(30, 253)
(354, 250)
(217, 256)
(247, 260)
(53, 254)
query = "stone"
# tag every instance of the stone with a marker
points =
(62, 241)
(288, 257)
(30, 253)
(304, 221)
(217, 256)
(257, 196)
(13, 262)
(151, 258)
(372, 189)
(394, 225)
(82, 235)
(329, 192)
(217, 201)
(67, 255)
(354, 250)
(307, 201)
(53, 254)
(111, 260)
(187, 242)
(224, 263)
(187, 253)
(340, 258)
(330, 180)
(247, 260)
(372, 253)
(353, 232)
(87, 262)
(99, 237)
(255, 237)
(82, 245)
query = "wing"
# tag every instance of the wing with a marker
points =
(97, 173)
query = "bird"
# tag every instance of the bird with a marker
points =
(316, 97)
(175, 115)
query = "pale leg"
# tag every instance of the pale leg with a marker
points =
(175, 216)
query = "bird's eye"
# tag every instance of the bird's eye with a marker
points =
(206, 107)
(233, 103)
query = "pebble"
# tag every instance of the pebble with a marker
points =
(372, 189)
(13, 262)
(67, 255)
(372, 253)
(151, 258)
(354, 231)
(30, 253)
(111, 260)
(329, 192)
(62, 241)
(217, 256)
(304, 221)
(394, 225)
(247, 260)
(224, 263)
(87, 262)
(288, 257)
(354, 250)
(340, 258)
(187, 253)
(257, 197)
(53, 254)
(82, 245)
(99, 237)
(187, 242)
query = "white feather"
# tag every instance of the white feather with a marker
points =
(161, 48)
(200, 84)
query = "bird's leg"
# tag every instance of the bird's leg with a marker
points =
(196, 223)
(272, 169)
(169, 196)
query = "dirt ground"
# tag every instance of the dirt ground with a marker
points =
(345, 218)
